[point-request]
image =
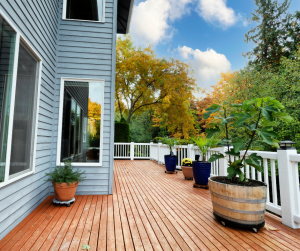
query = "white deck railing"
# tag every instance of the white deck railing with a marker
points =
(282, 162)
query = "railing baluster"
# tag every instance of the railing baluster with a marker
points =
(253, 173)
(266, 177)
(274, 186)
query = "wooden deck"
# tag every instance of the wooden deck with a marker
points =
(149, 210)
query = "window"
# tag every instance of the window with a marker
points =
(88, 10)
(19, 89)
(80, 127)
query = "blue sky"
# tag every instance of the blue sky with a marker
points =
(207, 34)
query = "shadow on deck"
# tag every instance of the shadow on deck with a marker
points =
(149, 210)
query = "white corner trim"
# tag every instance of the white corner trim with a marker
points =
(60, 119)
(129, 16)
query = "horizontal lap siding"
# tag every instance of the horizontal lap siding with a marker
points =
(38, 23)
(86, 51)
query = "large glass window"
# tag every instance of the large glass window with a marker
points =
(18, 103)
(24, 112)
(7, 53)
(81, 122)
(89, 10)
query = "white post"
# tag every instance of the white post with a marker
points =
(223, 163)
(158, 150)
(132, 150)
(288, 190)
(150, 149)
(190, 152)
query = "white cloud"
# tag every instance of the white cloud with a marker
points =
(216, 12)
(207, 65)
(152, 19)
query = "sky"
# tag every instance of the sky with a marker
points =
(207, 34)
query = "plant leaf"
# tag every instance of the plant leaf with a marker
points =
(267, 135)
(212, 131)
(240, 174)
(87, 247)
(241, 118)
(215, 157)
(255, 161)
(283, 116)
(237, 146)
(212, 109)
(231, 172)
(233, 153)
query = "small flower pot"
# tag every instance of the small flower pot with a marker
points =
(187, 172)
(201, 171)
(65, 192)
(170, 163)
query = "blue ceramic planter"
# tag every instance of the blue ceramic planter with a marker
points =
(170, 162)
(201, 172)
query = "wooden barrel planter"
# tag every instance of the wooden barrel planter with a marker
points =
(240, 206)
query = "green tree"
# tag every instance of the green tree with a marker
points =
(276, 35)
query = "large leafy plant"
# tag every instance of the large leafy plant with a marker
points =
(204, 144)
(257, 117)
(171, 142)
(65, 174)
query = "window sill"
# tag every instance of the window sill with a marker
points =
(84, 164)
(3, 184)
(79, 20)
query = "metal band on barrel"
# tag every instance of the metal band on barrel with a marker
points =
(238, 200)
(239, 211)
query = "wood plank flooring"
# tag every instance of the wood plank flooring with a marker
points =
(149, 210)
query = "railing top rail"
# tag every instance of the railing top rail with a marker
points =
(295, 157)
(120, 143)
(263, 154)
(143, 144)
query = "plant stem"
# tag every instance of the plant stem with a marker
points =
(253, 134)
(227, 136)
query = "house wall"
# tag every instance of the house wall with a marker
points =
(87, 50)
(38, 23)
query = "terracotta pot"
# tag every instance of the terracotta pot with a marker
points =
(187, 172)
(241, 206)
(63, 192)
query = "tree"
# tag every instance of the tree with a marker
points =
(144, 81)
(277, 33)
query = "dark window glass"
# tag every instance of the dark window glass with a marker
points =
(83, 10)
(7, 53)
(24, 112)
(81, 136)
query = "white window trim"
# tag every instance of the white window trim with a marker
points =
(19, 38)
(64, 13)
(60, 119)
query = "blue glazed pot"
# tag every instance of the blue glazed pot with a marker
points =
(171, 163)
(201, 172)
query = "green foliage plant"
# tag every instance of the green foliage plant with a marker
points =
(258, 117)
(65, 174)
(171, 142)
(122, 131)
(204, 144)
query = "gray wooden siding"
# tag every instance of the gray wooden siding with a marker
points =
(38, 23)
(85, 50)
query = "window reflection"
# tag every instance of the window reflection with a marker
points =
(81, 121)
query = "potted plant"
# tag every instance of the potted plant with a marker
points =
(187, 169)
(65, 181)
(170, 160)
(202, 169)
(236, 200)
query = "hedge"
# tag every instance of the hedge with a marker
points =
(122, 131)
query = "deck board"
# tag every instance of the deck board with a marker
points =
(149, 210)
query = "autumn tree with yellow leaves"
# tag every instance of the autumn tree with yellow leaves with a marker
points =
(144, 81)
